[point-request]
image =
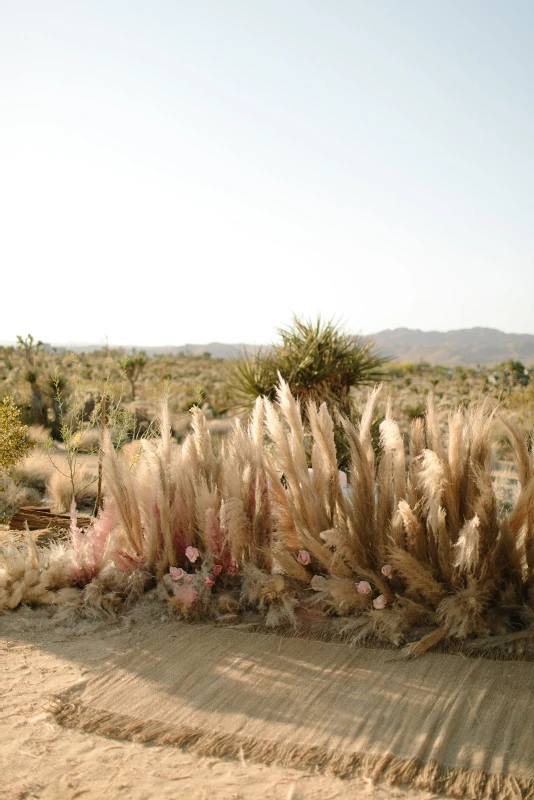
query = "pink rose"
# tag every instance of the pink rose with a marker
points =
(207, 580)
(177, 573)
(317, 583)
(192, 554)
(363, 587)
(387, 570)
(304, 557)
(217, 569)
(379, 602)
(186, 596)
(188, 578)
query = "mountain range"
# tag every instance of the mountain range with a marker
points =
(468, 346)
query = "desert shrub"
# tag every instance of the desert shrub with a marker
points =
(318, 361)
(34, 472)
(62, 490)
(14, 441)
(13, 496)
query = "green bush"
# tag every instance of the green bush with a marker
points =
(14, 442)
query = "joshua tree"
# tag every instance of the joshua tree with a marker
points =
(39, 409)
(133, 366)
(30, 348)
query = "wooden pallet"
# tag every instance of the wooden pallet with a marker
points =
(39, 518)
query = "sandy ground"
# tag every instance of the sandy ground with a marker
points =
(40, 759)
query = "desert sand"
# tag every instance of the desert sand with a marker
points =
(40, 759)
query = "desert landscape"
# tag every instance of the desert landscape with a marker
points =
(187, 523)
(266, 400)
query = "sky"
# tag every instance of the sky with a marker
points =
(201, 170)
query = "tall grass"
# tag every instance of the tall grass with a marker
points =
(416, 543)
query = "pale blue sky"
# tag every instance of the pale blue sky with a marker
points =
(192, 171)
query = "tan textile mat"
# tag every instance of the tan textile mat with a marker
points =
(441, 722)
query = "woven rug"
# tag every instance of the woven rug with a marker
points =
(442, 722)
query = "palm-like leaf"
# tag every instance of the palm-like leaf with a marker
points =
(318, 361)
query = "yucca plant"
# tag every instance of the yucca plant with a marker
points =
(320, 363)
(318, 360)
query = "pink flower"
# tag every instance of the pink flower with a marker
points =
(192, 554)
(317, 583)
(379, 602)
(177, 573)
(304, 557)
(188, 578)
(387, 570)
(232, 569)
(363, 587)
(207, 580)
(186, 596)
(217, 569)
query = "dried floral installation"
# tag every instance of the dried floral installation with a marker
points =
(412, 550)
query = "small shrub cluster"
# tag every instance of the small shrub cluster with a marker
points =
(14, 441)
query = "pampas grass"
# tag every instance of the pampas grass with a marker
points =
(38, 434)
(67, 577)
(13, 496)
(34, 471)
(418, 540)
(33, 576)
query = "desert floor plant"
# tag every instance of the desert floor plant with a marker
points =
(319, 361)
(15, 443)
(74, 475)
(414, 550)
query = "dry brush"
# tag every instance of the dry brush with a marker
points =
(415, 548)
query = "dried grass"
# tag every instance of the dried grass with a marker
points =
(13, 496)
(35, 470)
(418, 538)
(38, 434)
(60, 490)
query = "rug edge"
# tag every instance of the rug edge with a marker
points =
(457, 782)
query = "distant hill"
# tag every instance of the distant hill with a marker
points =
(215, 349)
(469, 346)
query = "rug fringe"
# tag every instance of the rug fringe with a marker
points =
(455, 782)
(508, 647)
